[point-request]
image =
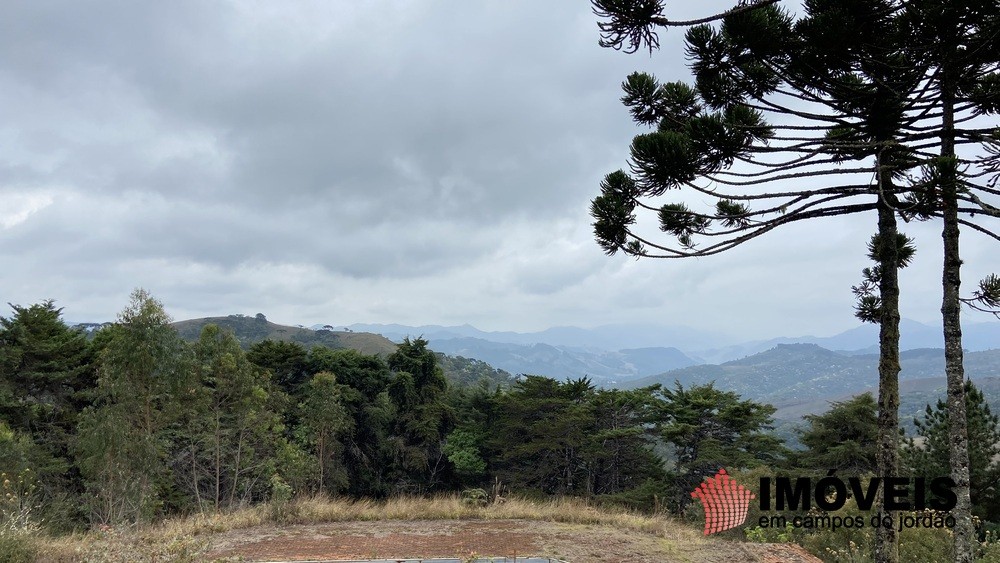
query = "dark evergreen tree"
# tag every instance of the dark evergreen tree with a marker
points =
(620, 452)
(286, 360)
(368, 374)
(571, 438)
(709, 429)
(44, 369)
(842, 439)
(630, 24)
(928, 454)
(363, 383)
(421, 419)
(46, 373)
(542, 433)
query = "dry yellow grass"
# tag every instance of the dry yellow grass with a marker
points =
(452, 507)
(180, 539)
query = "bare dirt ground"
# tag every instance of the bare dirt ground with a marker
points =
(575, 543)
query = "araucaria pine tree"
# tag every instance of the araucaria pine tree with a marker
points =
(841, 92)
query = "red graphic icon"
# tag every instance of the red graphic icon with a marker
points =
(726, 502)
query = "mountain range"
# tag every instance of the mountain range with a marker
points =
(798, 375)
(803, 378)
(615, 354)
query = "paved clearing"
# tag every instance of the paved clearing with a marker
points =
(575, 543)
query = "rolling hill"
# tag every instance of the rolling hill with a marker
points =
(249, 330)
(800, 379)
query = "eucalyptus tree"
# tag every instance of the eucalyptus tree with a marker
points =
(228, 427)
(324, 423)
(122, 440)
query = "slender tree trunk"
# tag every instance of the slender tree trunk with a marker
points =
(237, 467)
(951, 309)
(218, 462)
(887, 456)
(321, 450)
(194, 477)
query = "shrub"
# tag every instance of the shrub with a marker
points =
(988, 550)
(475, 497)
(18, 501)
(770, 535)
(930, 545)
(17, 548)
(281, 495)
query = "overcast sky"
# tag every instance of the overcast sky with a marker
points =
(415, 162)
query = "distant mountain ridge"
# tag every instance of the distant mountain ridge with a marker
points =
(607, 337)
(790, 373)
(802, 379)
(615, 354)
(606, 368)
(701, 346)
(913, 335)
(250, 330)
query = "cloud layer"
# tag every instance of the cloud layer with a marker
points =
(412, 162)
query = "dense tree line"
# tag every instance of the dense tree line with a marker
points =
(136, 424)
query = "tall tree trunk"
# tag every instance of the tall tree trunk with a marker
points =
(237, 467)
(194, 477)
(218, 462)
(951, 309)
(887, 456)
(321, 450)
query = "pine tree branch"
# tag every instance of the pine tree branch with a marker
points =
(720, 247)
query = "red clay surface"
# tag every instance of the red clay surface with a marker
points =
(574, 543)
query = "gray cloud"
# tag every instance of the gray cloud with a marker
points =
(416, 162)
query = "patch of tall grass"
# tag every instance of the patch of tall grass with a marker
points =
(180, 539)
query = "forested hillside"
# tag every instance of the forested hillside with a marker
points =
(253, 330)
(133, 423)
